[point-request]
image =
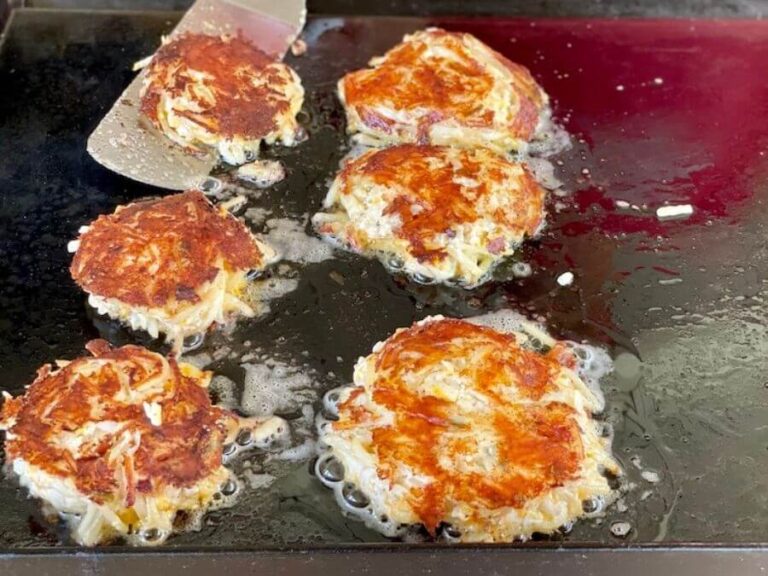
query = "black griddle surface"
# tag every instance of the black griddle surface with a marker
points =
(681, 306)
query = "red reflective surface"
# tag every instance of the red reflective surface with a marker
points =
(667, 111)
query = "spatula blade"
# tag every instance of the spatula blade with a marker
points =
(129, 146)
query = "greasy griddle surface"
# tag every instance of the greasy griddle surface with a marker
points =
(661, 111)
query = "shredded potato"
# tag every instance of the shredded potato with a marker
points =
(449, 422)
(223, 93)
(120, 442)
(175, 266)
(439, 87)
(440, 213)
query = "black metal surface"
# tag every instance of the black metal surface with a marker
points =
(694, 419)
(530, 8)
(385, 562)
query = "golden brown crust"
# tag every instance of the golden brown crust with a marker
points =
(242, 108)
(417, 78)
(540, 444)
(157, 252)
(431, 201)
(185, 447)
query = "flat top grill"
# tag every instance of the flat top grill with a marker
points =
(660, 112)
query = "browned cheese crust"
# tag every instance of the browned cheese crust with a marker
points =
(240, 107)
(158, 252)
(183, 449)
(444, 88)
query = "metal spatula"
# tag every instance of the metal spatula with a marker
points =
(138, 151)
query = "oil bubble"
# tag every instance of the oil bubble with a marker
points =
(354, 497)
(395, 263)
(423, 279)
(210, 185)
(192, 342)
(244, 437)
(621, 529)
(229, 488)
(592, 505)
